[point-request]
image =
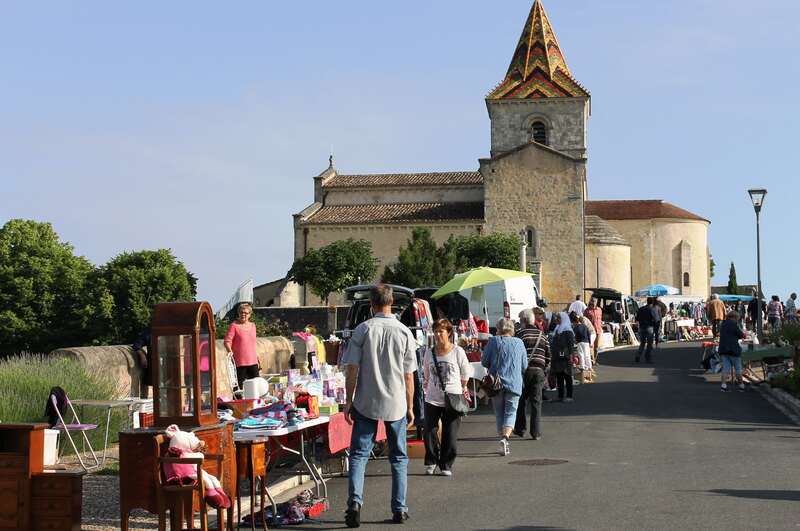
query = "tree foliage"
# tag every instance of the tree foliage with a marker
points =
(421, 263)
(733, 287)
(139, 280)
(334, 267)
(47, 294)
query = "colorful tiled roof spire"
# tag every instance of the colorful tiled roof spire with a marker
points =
(538, 68)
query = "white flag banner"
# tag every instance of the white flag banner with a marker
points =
(244, 293)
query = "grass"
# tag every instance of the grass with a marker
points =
(789, 382)
(25, 383)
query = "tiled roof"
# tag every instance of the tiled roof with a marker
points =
(396, 213)
(405, 179)
(638, 209)
(538, 68)
(600, 231)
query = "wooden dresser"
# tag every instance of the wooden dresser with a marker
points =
(137, 462)
(21, 457)
(56, 500)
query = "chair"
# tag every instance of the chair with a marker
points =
(180, 500)
(75, 426)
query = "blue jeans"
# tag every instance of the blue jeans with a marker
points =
(505, 409)
(361, 443)
(731, 362)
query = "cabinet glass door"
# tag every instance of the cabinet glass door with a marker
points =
(205, 364)
(175, 376)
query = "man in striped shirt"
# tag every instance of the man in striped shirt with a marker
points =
(538, 348)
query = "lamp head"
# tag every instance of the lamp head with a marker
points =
(757, 197)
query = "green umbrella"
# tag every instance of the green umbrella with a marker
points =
(477, 277)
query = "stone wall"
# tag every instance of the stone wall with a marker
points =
(538, 188)
(118, 363)
(566, 120)
(608, 266)
(659, 256)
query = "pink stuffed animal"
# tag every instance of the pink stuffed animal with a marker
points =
(186, 444)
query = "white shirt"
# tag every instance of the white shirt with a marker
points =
(578, 307)
(454, 367)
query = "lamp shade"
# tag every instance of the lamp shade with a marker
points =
(757, 197)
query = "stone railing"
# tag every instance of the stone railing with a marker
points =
(117, 361)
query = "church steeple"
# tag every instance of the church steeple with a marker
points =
(538, 68)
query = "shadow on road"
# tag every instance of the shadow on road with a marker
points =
(782, 495)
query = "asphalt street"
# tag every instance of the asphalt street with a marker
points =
(645, 447)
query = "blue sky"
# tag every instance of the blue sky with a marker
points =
(198, 126)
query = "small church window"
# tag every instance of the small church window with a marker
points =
(686, 280)
(530, 242)
(539, 132)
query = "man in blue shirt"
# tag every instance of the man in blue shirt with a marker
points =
(647, 318)
(381, 359)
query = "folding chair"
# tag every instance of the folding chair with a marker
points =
(76, 426)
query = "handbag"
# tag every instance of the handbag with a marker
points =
(491, 384)
(453, 402)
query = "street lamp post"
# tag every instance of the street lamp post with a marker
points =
(757, 197)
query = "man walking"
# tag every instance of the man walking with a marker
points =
(646, 317)
(716, 313)
(791, 308)
(538, 348)
(577, 306)
(381, 360)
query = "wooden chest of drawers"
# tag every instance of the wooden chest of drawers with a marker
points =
(56, 498)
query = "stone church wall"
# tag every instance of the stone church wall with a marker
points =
(565, 119)
(608, 266)
(534, 187)
(660, 256)
(386, 243)
(404, 195)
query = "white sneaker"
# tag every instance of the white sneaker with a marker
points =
(568, 399)
(430, 470)
(723, 388)
(446, 472)
(504, 448)
(741, 387)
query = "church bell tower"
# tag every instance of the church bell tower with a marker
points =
(539, 100)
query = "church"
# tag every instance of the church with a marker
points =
(534, 183)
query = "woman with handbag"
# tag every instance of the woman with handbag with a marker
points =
(505, 359)
(446, 372)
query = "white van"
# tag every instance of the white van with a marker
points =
(505, 298)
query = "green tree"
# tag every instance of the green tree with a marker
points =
(711, 267)
(48, 295)
(416, 263)
(334, 267)
(138, 281)
(733, 287)
(493, 250)
(421, 263)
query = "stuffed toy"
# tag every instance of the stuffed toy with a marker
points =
(184, 444)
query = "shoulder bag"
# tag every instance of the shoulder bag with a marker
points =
(491, 383)
(453, 402)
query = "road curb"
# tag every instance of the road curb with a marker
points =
(783, 401)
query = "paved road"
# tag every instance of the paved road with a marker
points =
(646, 447)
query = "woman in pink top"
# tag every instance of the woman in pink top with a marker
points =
(241, 340)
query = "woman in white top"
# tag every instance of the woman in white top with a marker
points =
(450, 372)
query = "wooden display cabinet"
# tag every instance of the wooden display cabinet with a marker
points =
(184, 357)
